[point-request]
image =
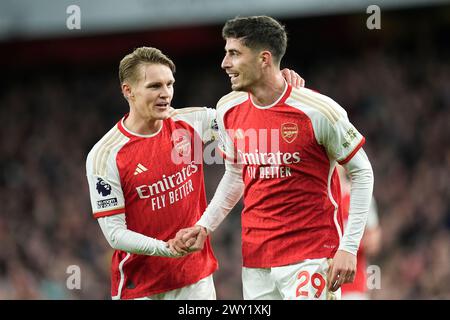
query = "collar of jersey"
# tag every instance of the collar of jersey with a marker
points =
(282, 97)
(130, 133)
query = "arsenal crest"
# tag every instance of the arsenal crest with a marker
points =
(182, 146)
(289, 131)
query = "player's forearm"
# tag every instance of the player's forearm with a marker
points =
(227, 194)
(361, 175)
(120, 238)
(133, 242)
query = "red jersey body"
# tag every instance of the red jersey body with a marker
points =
(288, 152)
(157, 182)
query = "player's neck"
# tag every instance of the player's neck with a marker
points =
(268, 90)
(142, 126)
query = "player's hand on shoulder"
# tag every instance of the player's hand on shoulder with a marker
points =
(293, 78)
(342, 270)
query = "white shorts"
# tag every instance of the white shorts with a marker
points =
(306, 280)
(201, 290)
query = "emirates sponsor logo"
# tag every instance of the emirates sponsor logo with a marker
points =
(167, 183)
(289, 131)
(169, 189)
(269, 158)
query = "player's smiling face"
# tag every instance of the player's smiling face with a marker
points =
(241, 64)
(152, 94)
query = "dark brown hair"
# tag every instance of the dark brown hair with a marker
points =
(258, 32)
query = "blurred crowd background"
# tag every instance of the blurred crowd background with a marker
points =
(59, 96)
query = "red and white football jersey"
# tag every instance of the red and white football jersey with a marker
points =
(288, 152)
(157, 182)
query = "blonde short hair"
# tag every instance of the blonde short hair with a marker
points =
(129, 65)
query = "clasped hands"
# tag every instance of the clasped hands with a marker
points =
(188, 240)
(342, 268)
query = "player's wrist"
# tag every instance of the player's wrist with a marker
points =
(203, 228)
(347, 250)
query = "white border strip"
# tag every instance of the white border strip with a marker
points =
(122, 277)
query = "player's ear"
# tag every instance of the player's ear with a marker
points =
(265, 58)
(127, 91)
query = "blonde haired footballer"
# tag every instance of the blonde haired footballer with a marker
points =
(141, 197)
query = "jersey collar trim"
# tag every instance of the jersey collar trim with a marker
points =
(286, 92)
(131, 134)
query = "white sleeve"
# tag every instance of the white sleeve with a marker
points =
(228, 193)
(336, 133)
(225, 141)
(360, 172)
(120, 238)
(105, 189)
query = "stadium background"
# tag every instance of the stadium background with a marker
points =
(59, 94)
